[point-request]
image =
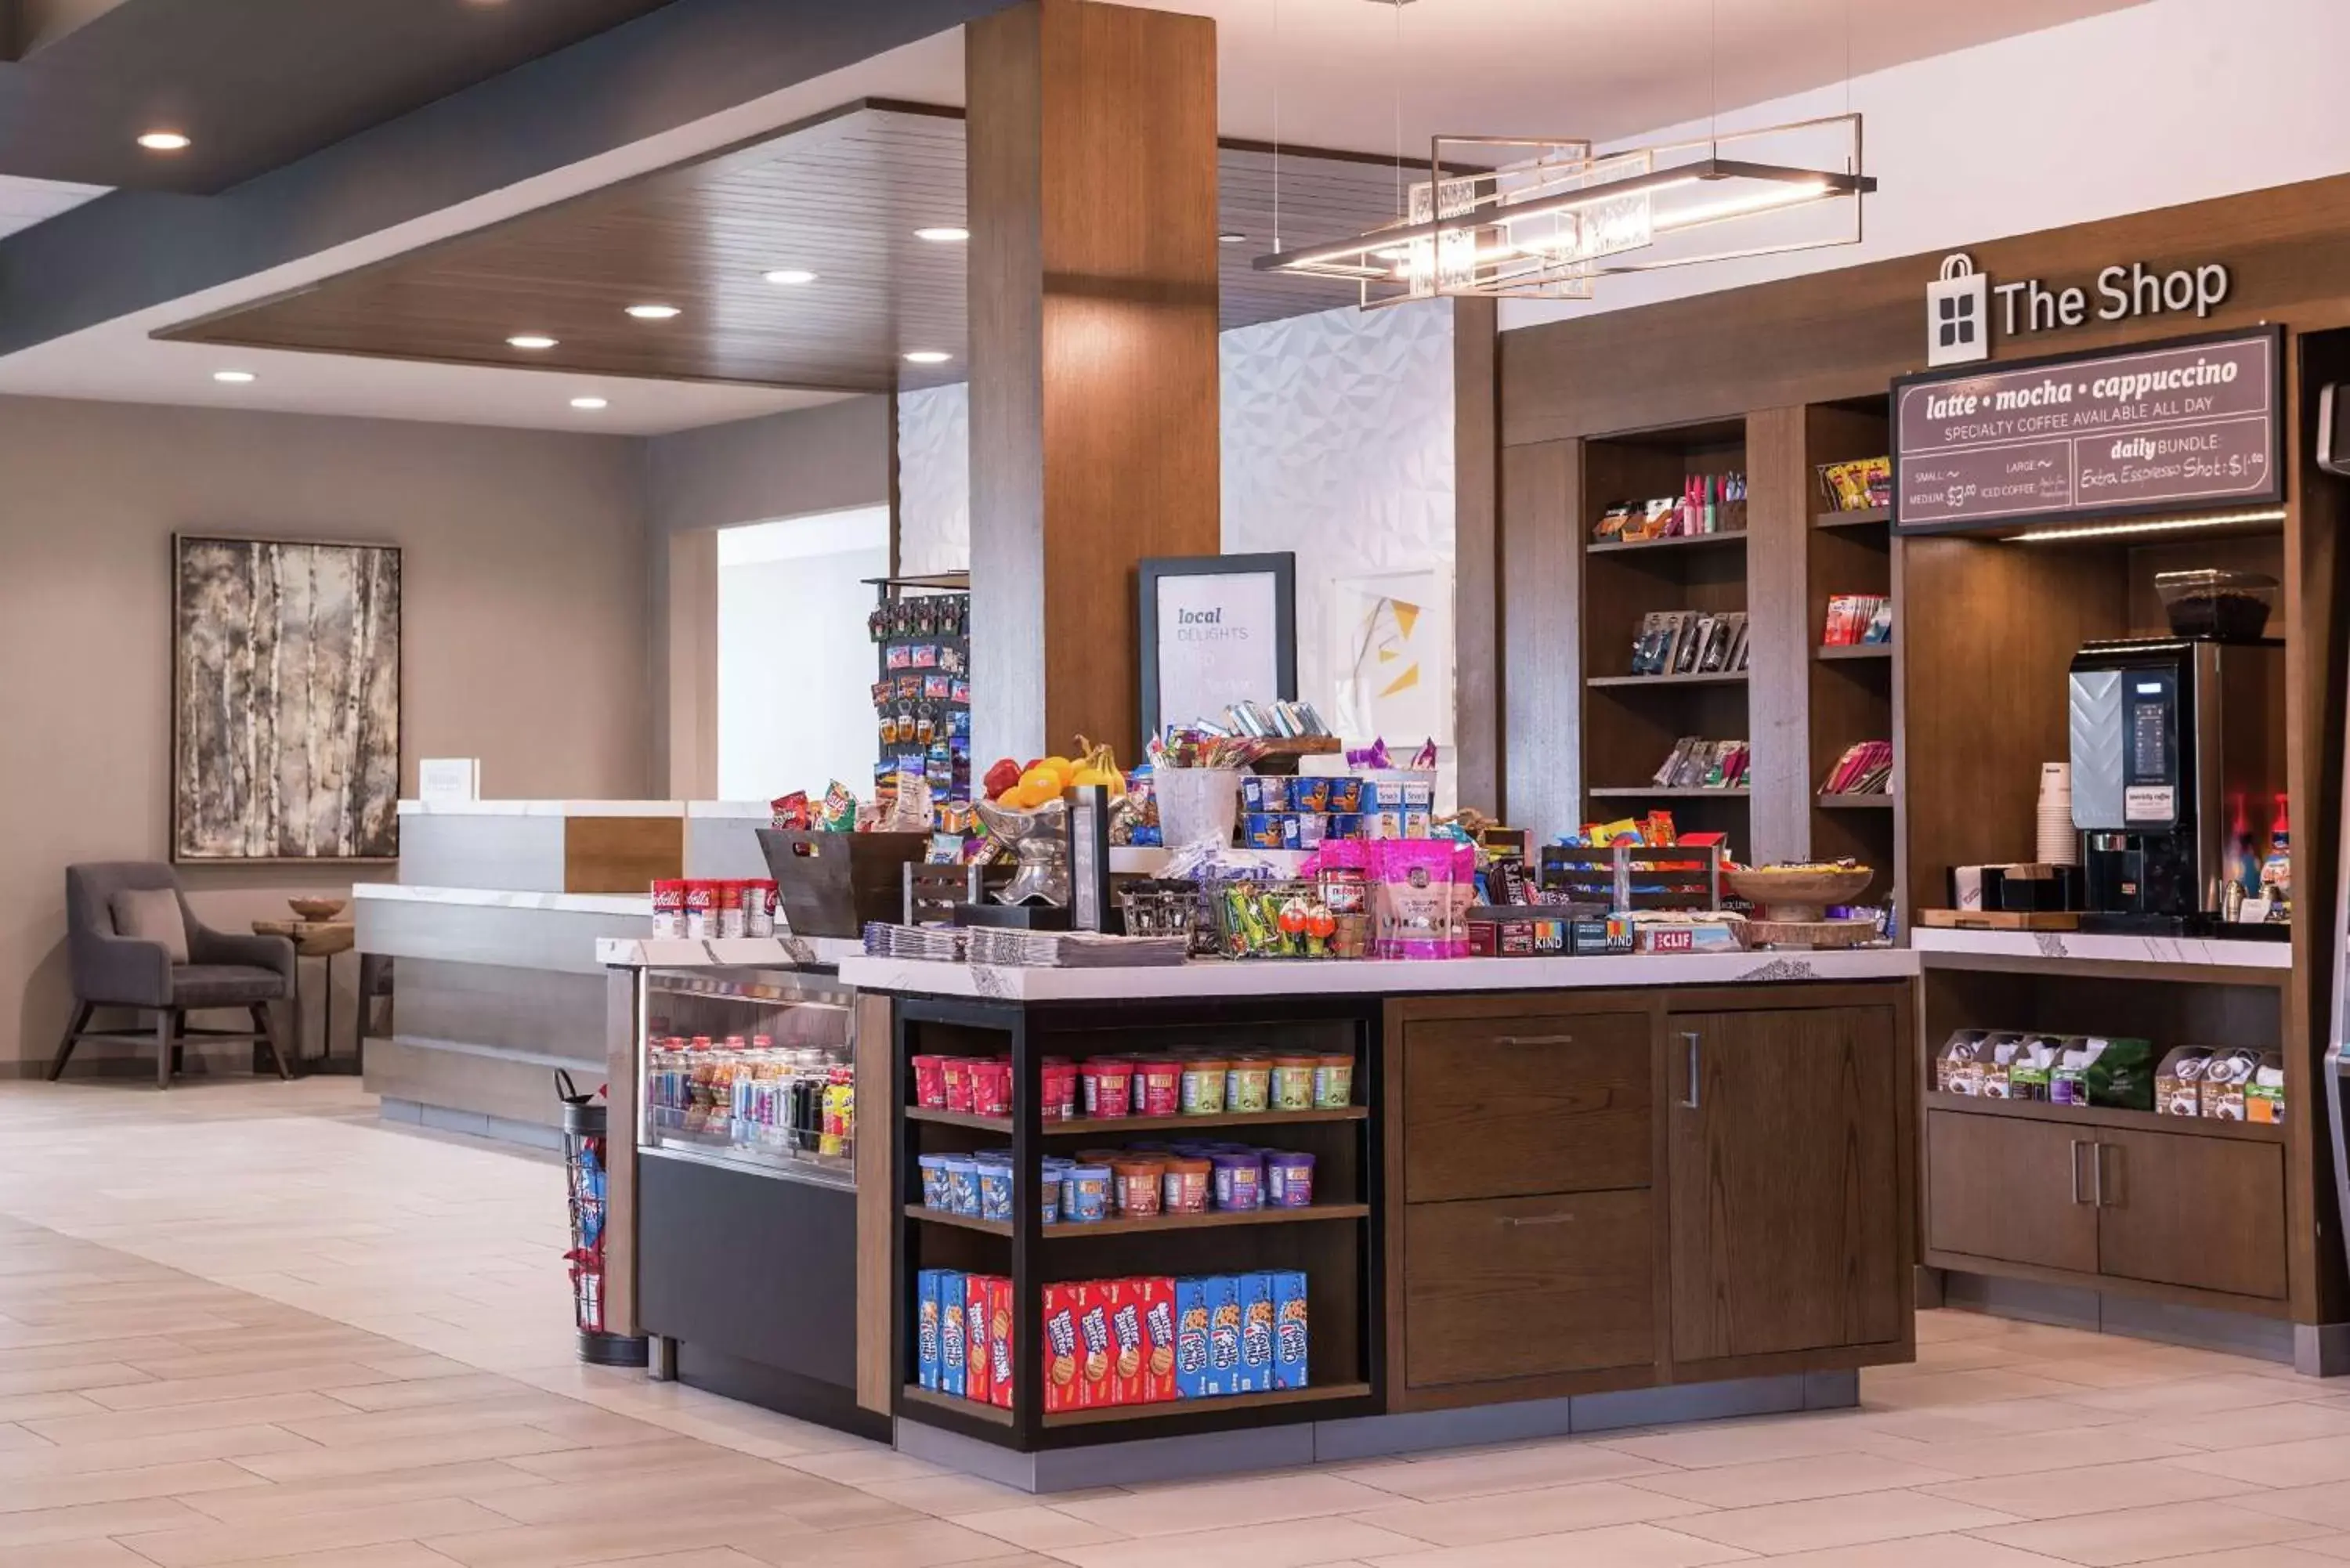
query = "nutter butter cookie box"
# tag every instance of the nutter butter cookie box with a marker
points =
(1158, 1339)
(978, 1362)
(1096, 1352)
(1061, 1347)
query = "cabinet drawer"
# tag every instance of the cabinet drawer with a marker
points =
(1528, 1287)
(1547, 1103)
(2205, 1212)
(2011, 1190)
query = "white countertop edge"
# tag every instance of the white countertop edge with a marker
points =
(640, 905)
(1372, 977)
(544, 808)
(2103, 947)
(724, 952)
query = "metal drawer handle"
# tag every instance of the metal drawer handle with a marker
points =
(2075, 1147)
(1689, 1037)
(1533, 1040)
(2097, 1174)
(1517, 1221)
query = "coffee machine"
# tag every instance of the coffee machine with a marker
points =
(2175, 740)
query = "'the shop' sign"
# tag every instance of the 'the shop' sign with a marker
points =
(1960, 305)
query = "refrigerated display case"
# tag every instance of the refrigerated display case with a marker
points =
(745, 1090)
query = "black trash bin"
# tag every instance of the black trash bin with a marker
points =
(586, 1132)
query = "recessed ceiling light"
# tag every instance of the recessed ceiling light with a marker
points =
(235, 378)
(652, 312)
(530, 340)
(589, 404)
(164, 141)
(943, 236)
(790, 274)
(928, 356)
(1231, 237)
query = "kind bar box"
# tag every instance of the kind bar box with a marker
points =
(953, 1325)
(1097, 1390)
(1290, 1334)
(926, 1328)
(979, 1363)
(1158, 1339)
(1256, 1334)
(999, 1341)
(2179, 1082)
(1062, 1355)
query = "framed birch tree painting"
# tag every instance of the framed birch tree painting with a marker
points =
(284, 700)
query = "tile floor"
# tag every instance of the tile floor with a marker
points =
(242, 1322)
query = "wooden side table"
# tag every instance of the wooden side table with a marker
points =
(320, 939)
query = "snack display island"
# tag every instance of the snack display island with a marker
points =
(1235, 1216)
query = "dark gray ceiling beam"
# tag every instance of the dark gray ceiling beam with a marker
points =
(133, 250)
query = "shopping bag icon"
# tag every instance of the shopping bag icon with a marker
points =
(1958, 315)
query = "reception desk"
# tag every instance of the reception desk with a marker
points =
(491, 931)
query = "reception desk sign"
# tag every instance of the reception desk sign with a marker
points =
(2185, 426)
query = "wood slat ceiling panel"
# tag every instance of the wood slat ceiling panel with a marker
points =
(840, 197)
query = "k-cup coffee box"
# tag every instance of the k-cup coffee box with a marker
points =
(2225, 1078)
(1256, 1334)
(926, 1328)
(1061, 1347)
(2179, 1080)
(1290, 1330)
(1958, 1065)
(979, 1363)
(999, 1341)
(2264, 1096)
(953, 1328)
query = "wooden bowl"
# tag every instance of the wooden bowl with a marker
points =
(1798, 892)
(316, 908)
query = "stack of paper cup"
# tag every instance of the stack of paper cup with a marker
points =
(2059, 845)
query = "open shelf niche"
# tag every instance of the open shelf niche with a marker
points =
(1629, 725)
(1850, 691)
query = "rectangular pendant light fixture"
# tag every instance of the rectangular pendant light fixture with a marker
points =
(1526, 218)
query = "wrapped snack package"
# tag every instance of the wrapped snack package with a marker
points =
(792, 813)
(839, 807)
(1421, 893)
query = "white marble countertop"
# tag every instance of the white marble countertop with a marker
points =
(2100, 947)
(639, 904)
(724, 952)
(730, 810)
(1306, 977)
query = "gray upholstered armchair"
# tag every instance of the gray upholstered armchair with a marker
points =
(139, 972)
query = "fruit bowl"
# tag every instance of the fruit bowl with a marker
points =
(317, 909)
(1798, 892)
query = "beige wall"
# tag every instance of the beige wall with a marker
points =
(527, 622)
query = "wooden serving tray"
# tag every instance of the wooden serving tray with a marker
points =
(2001, 919)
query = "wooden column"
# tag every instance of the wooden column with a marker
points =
(1092, 137)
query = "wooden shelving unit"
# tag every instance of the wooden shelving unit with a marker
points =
(2108, 1116)
(1677, 542)
(1855, 650)
(1652, 792)
(1331, 1242)
(1703, 678)
(1859, 517)
(1855, 801)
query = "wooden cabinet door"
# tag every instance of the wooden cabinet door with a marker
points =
(1528, 1287)
(2011, 1190)
(1785, 1198)
(1493, 1107)
(2208, 1212)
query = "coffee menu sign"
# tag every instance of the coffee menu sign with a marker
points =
(2183, 426)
